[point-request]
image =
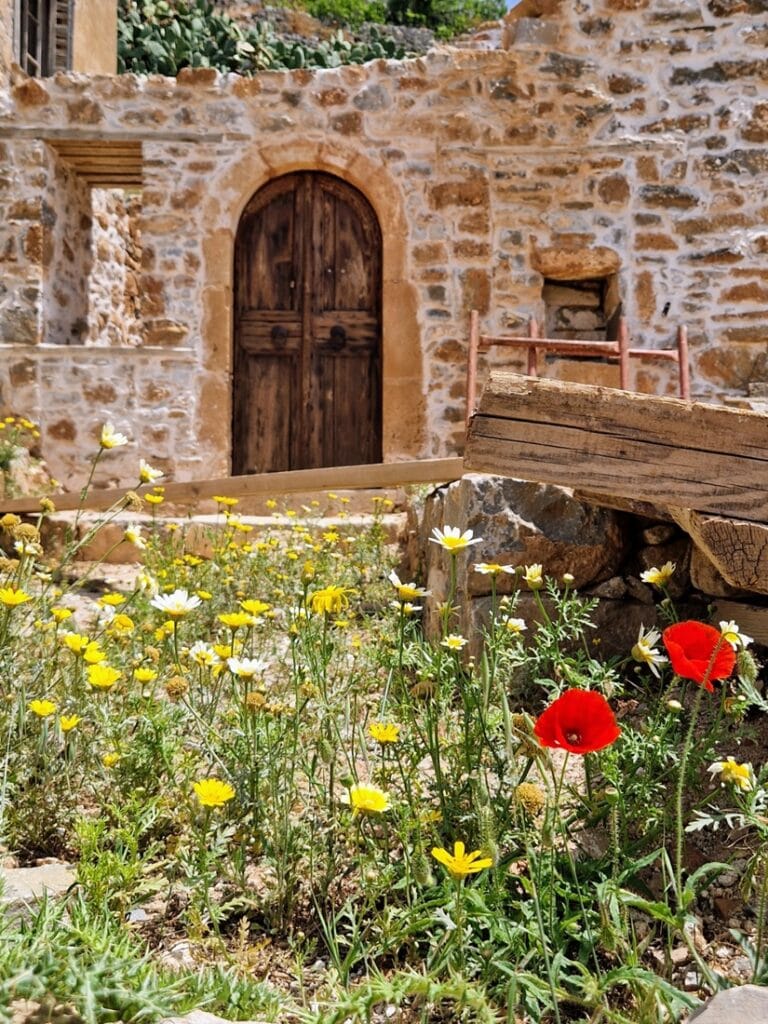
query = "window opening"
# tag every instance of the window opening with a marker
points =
(586, 310)
(43, 36)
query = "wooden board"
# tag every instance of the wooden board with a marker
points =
(389, 474)
(664, 451)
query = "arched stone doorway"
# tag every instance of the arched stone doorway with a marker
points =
(307, 327)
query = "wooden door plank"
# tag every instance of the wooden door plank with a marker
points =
(359, 477)
(346, 325)
(664, 451)
(266, 405)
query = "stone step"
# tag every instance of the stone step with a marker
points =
(109, 545)
(24, 888)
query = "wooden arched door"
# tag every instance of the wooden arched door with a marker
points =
(307, 331)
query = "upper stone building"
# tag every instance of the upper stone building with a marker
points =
(277, 272)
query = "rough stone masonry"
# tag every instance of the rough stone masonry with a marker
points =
(623, 142)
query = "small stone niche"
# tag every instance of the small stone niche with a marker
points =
(584, 310)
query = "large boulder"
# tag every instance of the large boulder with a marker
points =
(745, 1005)
(520, 523)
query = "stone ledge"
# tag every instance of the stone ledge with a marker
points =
(109, 545)
(94, 351)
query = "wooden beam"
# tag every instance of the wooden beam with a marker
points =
(750, 618)
(737, 549)
(664, 451)
(631, 505)
(388, 474)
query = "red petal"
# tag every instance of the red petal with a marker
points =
(699, 652)
(578, 713)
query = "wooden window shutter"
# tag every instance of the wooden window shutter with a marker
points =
(62, 35)
(43, 35)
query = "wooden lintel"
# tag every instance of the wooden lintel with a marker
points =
(388, 474)
(664, 451)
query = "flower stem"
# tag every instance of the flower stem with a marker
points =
(679, 799)
(762, 909)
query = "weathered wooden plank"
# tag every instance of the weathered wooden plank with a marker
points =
(624, 413)
(660, 450)
(737, 549)
(388, 474)
(632, 505)
(751, 619)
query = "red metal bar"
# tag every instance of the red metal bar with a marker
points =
(555, 345)
(613, 351)
(655, 353)
(474, 344)
(684, 368)
(533, 355)
(623, 342)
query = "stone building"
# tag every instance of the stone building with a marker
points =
(210, 259)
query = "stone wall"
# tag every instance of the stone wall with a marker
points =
(114, 302)
(610, 138)
(67, 253)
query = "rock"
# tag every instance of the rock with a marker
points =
(660, 533)
(691, 981)
(522, 523)
(615, 588)
(47, 1011)
(23, 888)
(677, 552)
(179, 958)
(639, 591)
(741, 968)
(745, 1005)
(616, 623)
(25, 475)
(680, 955)
(203, 1017)
(535, 32)
(575, 264)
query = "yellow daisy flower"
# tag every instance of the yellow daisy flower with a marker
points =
(384, 732)
(102, 677)
(42, 708)
(365, 799)
(213, 792)
(459, 864)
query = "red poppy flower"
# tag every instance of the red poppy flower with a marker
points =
(699, 652)
(580, 721)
